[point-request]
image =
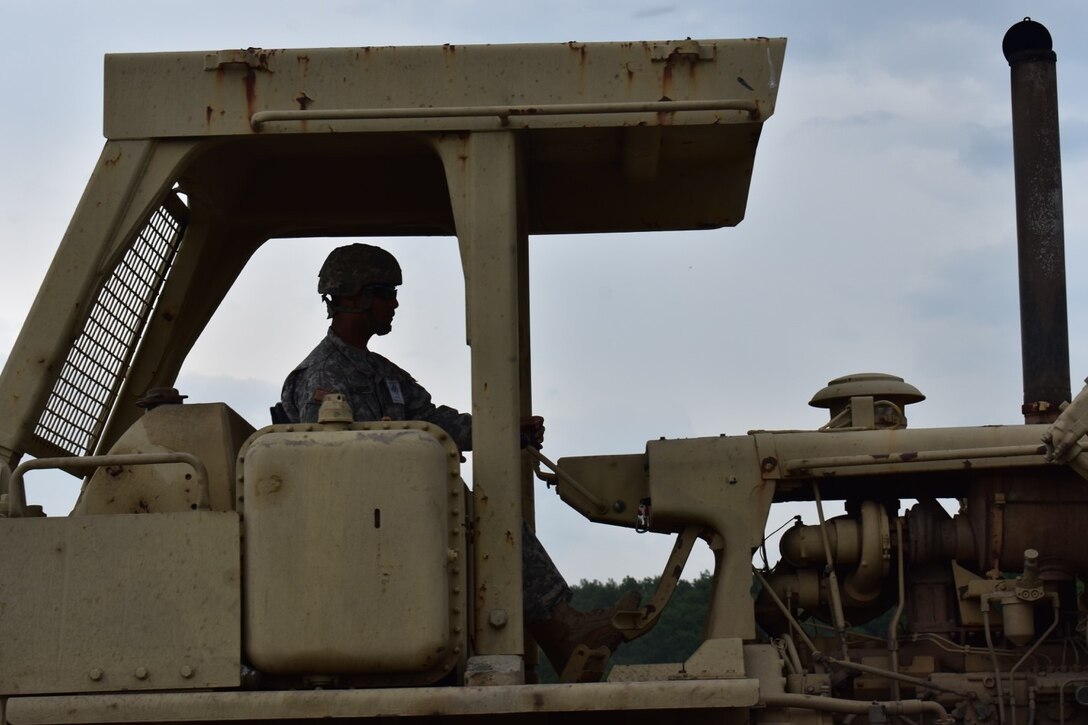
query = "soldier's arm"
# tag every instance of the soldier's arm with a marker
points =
(418, 406)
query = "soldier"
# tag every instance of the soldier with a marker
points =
(358, 284)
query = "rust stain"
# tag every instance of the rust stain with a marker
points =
(208, 111)
(583, 63)
(666, 79)
(250, 81)
(115, 159)
(303, 100)
(303, 61)
(908, 456)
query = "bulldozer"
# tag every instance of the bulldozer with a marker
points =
(216, 569)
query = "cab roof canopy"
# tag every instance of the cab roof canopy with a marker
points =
(488, 143)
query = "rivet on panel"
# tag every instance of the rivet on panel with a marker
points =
(95, 674)
(186, 671)
(141, 673)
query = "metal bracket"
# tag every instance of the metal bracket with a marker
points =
(639, 622)
(585, 664)
(997, 519)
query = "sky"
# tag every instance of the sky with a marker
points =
(879, 234)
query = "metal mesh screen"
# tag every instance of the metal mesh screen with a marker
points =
(98, 360)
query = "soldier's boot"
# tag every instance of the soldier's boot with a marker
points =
(589, 636)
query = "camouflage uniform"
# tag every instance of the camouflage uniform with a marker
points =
(376, 388)
(542, 586)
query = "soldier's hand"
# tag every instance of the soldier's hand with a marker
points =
(532, 431)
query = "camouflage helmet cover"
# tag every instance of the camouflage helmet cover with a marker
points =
(349, 268)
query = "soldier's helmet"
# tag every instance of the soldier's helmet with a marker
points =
(349, 268)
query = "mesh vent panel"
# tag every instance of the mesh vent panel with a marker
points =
(97, 362)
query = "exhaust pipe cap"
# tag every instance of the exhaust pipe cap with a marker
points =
(1028, 41)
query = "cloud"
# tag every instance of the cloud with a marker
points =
(653, 12)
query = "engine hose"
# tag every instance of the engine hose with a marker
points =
(858, 707)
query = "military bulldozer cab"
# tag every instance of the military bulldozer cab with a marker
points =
(337, 569)
(209, 155)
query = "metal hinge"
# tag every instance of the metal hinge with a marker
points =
(689, 50)
(255, 58)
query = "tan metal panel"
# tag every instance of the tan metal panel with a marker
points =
(351, 545)
(129, 602)
(436, 88)
(211, 431)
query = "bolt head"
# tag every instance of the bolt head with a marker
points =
(497, 618)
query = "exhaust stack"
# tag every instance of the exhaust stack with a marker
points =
(1044, 327)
